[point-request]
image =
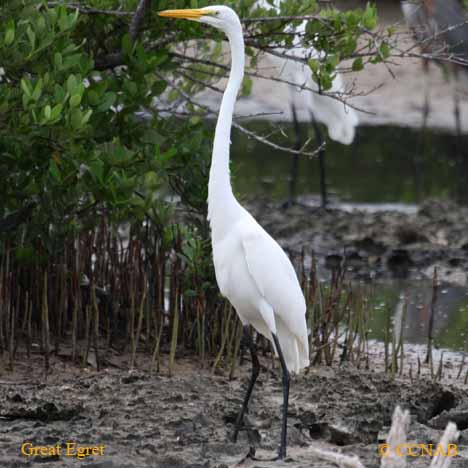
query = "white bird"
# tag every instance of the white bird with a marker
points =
(252, 270)
(340, 120)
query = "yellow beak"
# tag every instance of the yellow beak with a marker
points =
(191, 14)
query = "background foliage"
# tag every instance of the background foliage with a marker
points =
(79, 132)
(98, 122)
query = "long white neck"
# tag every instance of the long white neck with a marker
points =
(222, 205)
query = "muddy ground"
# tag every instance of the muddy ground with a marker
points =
(384, 244)
(146, 420)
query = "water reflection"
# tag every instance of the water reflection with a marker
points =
(409, 303)
(384, 165)
(387, 168)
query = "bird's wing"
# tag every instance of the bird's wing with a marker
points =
(274, 276)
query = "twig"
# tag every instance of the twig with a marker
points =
(267, 19)
(116, 59)
(431, 316)
(89, 11)
(138, 18)
(240, 127)
(339, 96)
(203, 114)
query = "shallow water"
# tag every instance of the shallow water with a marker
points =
(383, 165)
(409, 306)
(386, 169)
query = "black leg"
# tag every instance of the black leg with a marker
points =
(458, 141)
(322, 169)
(284, 426)
(295, 159)
(417, 160)
(426, 107)
(255, 371)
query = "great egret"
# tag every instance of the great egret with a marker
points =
(341, 121)
(252, 270)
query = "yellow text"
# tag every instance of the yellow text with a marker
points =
(70, 449)
(420, 450)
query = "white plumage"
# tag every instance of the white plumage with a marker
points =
(252, 270)
(341, 121)
(257, 277)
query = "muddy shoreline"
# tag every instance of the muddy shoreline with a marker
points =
(375, 245)
(146, 420)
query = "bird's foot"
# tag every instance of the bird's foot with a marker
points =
(245, 425)
(240, 425)
(312, 209)
(249, 456)
(235, 434)
(252, 456)
(288, 204)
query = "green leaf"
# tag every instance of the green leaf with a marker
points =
(246, 86)
(86, 117)
(59, 93)
(369, 18)
(314, 65)
(80, 89)
(63, 20)
(127, 45)
(58, 60)
(358, 64)
(31, 36)
(47, 112)
(26, 87)
(56, 111)
(131, 87)
(10, 33)
(333, 60)
(93, 97)
(326, 81)
(173, 95)
(71, 83)
(96, 168)
(72, 61)
(37, 90)
(384, 50)
(152, 137)
(41, 24)
(25, 100)
(53, 16)
(195, 120)
(54, 170)
(76, 118)
(159, 87)
(74, 17)
(75, 100)
(109, 100)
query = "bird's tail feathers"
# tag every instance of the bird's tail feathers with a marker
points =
(295, 350)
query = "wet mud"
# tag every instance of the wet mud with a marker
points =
(383, 244)
(144, 420)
